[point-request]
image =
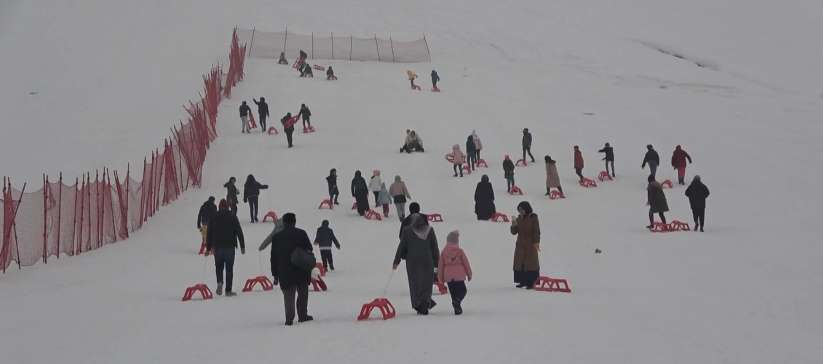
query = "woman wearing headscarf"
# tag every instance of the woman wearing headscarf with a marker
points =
(526, 262)
(418, 246)
(484, 199)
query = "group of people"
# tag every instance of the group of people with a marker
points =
(288, 121)
(397, 194)
(413, 76)
(304, 67)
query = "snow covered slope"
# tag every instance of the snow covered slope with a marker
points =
(746, 290)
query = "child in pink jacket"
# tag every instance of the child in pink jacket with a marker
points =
(453, 269)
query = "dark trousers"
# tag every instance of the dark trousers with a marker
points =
(263, 122)
(607, 167)
(328, 261)
(472, 159)
(699, 215)
(458, 167)
(253, 208)
(224, 258)
(302, 292)
(509, 183)
(651, 217)
(579, 172)
(289, 133)
(233, 208)
(334, 193)
(526, 277)
(306, 120)
(458, 291)
(653, 169)
(529, 151)
(376, 195)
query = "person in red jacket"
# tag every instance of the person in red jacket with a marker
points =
(578, 162)
(679, 158)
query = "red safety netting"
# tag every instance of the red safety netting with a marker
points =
(100, 208)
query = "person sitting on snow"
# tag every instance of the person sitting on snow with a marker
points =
(305, 71)
(330, 74)
(282, 59)
(413, 143)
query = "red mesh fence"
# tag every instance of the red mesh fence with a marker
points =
(97, 210)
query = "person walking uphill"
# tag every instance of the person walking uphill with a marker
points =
(231, 195)
(288, 247)
(400, 194)
(435, 79)
(324, 239)
(453, 269)
(552, 177)
(306, 114)
(251, 191)
(288, 126)
(526, 262)
(360, 192)
(653, 159)
(508, 173)
(262, 111)
(458, 158)
(331, 181)
(478, 145)
(418, 246)
(471, 152)
(414, 208)
(697, 193)
(578, 162)
(244, 117)
(679, 158)
(223, 234)
(609, 158)
(384, 199)
(657, 202)
(527, 144)
(374, 185)
(206, 214)
(484, 199)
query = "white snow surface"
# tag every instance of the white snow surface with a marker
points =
(111, 76)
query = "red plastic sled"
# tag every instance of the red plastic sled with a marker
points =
(667, 184)
(373, 215)
(435, 89)
(202, 249)
(521, 163)
(318, 285)
(449, 158)
(604, 176)
(321, 268)
(481, 163)
(252, 123)
(202, 288)
(516, 191)
(327, 203)
(273, 131)
(416, 87)
(441, 287)
(467, 168)
(588, 183)
(435, 218)
(554, 195)
(676, 225)
(386, 309)
(270, 214)
(309, 130)
(498, 217)
(546, 284)
(263, 281)
(319, 68)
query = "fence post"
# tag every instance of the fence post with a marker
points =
(45, 198)
(391, 43)
(351, 45)
(59, 211)
(285, 38)
(377, 47)
(312, 45)
(332, 45)
(74, 217)
(427, 48)
(251, 42)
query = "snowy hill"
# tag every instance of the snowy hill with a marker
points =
(746, 290)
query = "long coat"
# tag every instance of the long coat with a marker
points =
(484, 201)
(360, 191)
(527, 230)
(697, 193)
(282, 246)
(679, 158)
(421, 256)
(578, 159)
(656, 198)
(552, 177)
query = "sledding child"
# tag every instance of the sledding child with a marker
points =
(324, 239)
(384, 199)
(412, 76)
(458, 158)
(454, 269)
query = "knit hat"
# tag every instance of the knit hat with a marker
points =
(453, 237)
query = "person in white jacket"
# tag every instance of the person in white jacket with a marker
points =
(477, 145)
(374, 185)
(458, 158)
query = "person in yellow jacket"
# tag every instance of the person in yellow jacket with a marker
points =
(412, 76)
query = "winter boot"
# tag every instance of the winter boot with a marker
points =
(305, 319)
(432, 304)
(457, 309)
(230, 294)
(219, 290)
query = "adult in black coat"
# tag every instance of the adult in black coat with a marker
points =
(262, 111)
(414, 208)
(206, 214)
(471, 152)
(360, 191)
(609, 158)
(697, 193)
(288, 127)
(251, 191)
(418, 247)
(484, 199)
(306, 114)
(223, 235)
(231, 195)
(508, 173)
(527, 144)
(292, 279)
(652, 159)
(331, 181)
